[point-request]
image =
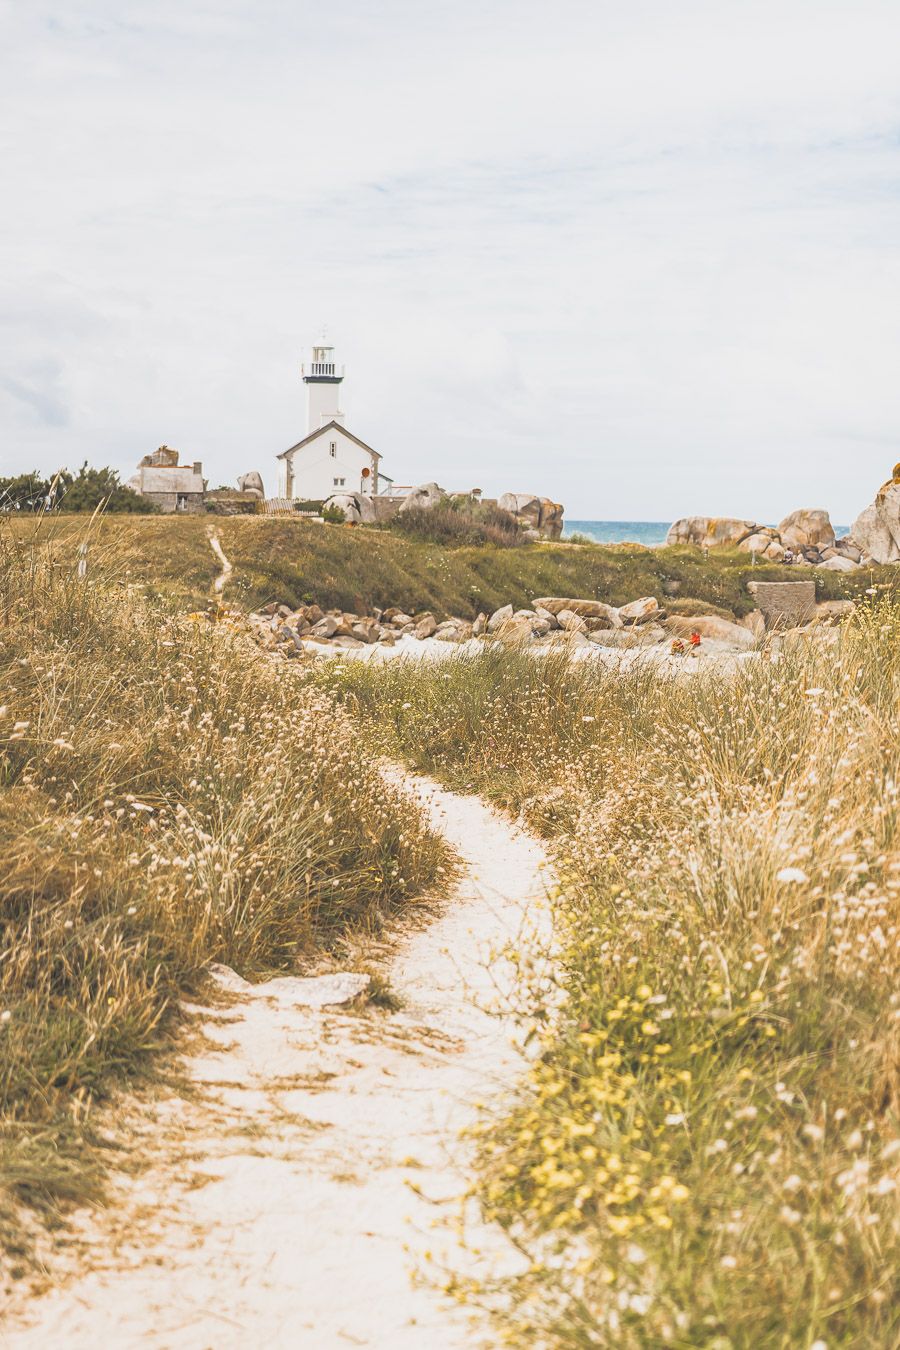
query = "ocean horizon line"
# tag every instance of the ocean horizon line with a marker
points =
(651, 533)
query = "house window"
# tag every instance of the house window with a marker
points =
(339, 482)
(332, 448)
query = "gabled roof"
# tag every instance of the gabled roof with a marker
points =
(320, 431)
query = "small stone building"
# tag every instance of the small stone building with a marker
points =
(173, 487)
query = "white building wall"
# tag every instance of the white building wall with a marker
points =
(315, 468)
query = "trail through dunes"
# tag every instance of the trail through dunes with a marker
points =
(313, 1166)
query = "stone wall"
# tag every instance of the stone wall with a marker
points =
(784, 604)
(168, 502)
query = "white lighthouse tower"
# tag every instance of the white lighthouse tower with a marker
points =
(323, 382)
(329, 460)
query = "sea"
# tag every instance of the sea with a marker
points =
(650, 533)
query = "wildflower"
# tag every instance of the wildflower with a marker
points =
(6, 1015)
(790, 1216)
(729, 1262)
(791, 874)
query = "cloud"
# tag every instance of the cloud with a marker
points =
(640, 257)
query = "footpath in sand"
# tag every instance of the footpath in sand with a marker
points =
(313, 1167)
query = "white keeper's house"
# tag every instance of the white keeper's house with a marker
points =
(330, 458)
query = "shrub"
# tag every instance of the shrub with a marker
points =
(85, 491)
(334, 515)
(457, 523)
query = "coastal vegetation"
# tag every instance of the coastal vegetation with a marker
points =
(706, 1149)
(88, 490)
(357, 568)
(459, 521)
(167, 799)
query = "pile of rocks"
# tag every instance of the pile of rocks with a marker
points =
(279, 626)
(809, 535)
(575, 621)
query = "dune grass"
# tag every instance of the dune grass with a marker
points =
(168, 798)
(706, 1151)
(298, 561)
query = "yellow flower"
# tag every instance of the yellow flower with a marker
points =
(649, 1028)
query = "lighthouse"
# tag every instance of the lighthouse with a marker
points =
(329, 460)
(323, 382)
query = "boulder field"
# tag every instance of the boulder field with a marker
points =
(874, 536)
(576, 621)
(808, 534)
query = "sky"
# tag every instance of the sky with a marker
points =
(637, 256)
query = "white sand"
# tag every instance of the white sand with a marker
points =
(713, 651)
(309, 1124)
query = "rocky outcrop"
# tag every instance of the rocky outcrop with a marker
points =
(710, 531)
(539, 516)
(807, 529)
(588, 609)
(423, 498)
(252, 482)
(358, 509)
(876, 531)
(807, 534)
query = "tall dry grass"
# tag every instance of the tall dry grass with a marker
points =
(706, 1151)
(167, 799)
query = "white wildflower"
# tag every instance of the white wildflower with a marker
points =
(792, 874)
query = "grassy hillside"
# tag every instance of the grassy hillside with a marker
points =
(296, 560)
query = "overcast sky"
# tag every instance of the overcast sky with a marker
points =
(637, 255)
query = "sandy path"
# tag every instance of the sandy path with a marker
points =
(307, 1129)
(227, 569)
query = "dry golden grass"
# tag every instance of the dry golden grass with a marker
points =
(707, 1149)
(167, 798)
(296, 561)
